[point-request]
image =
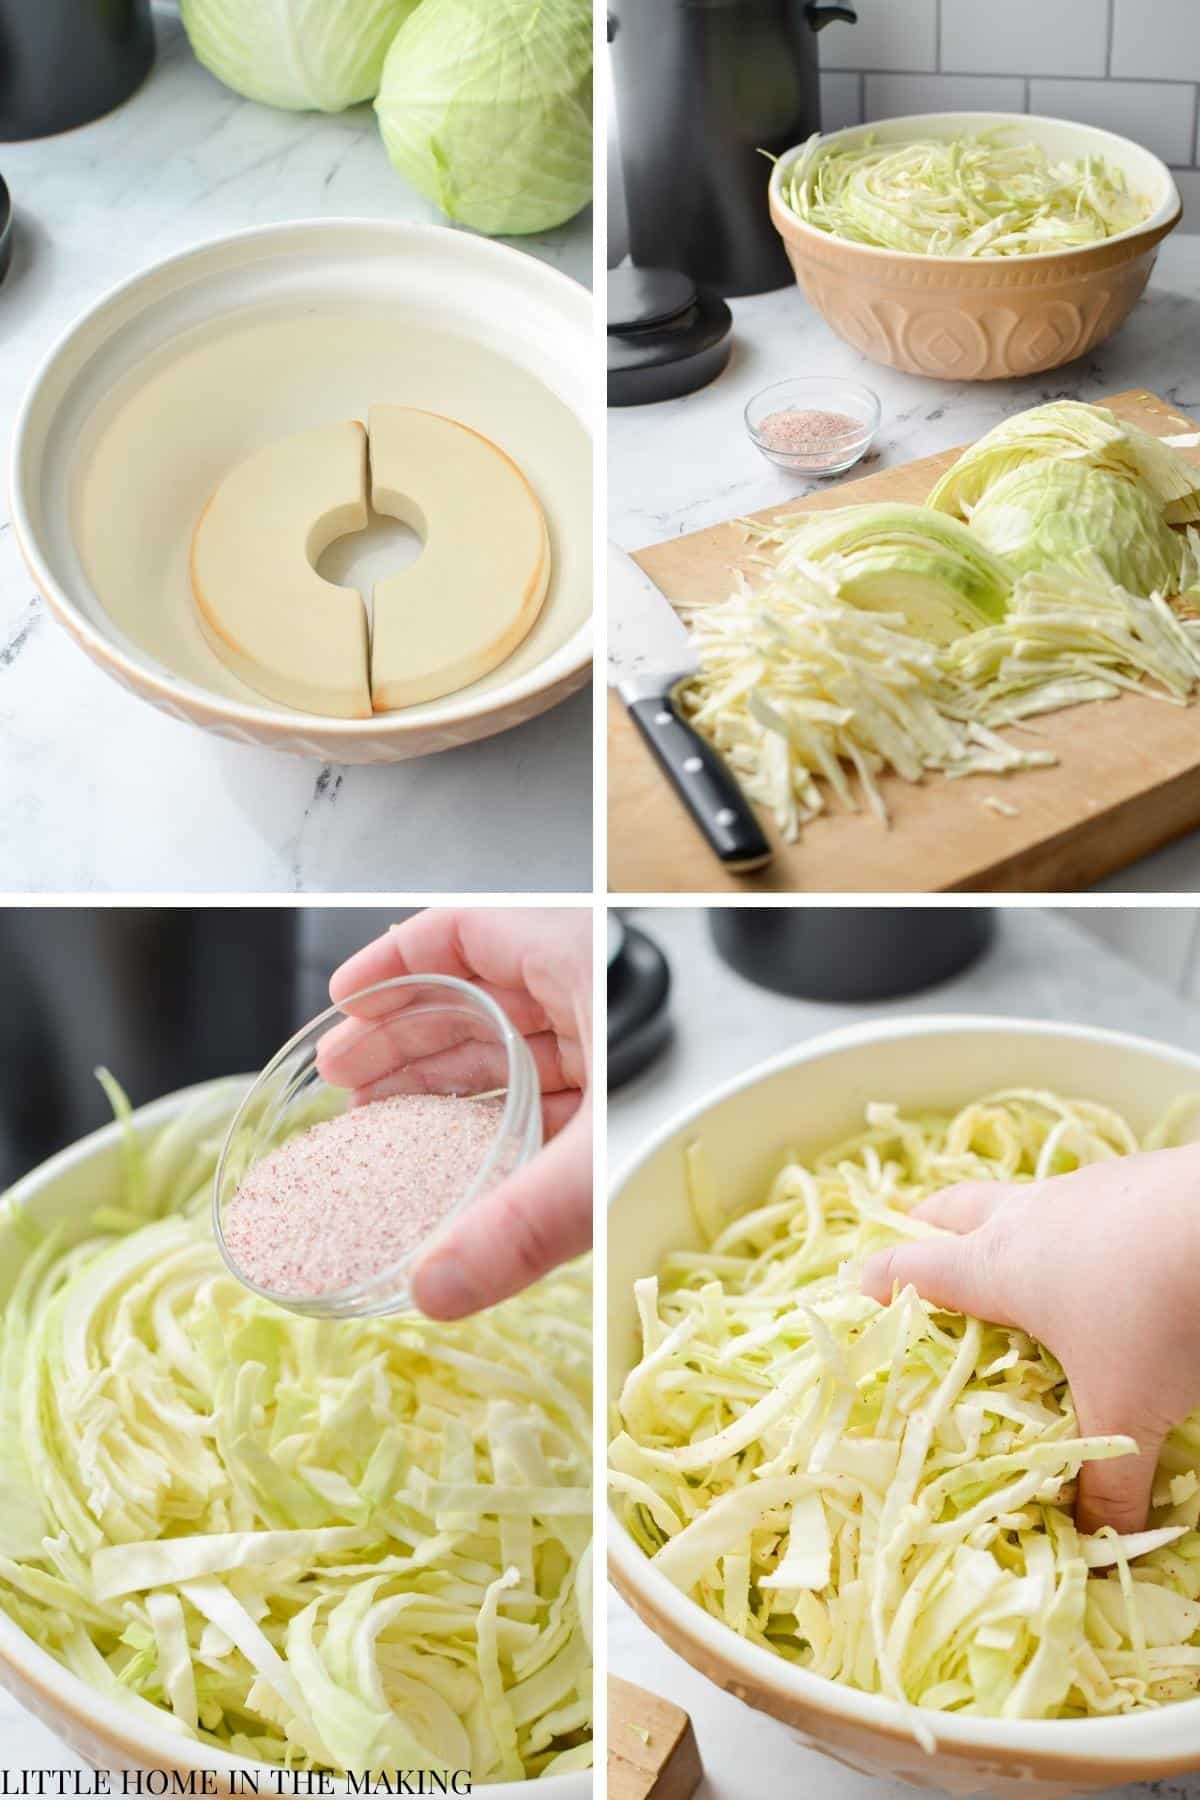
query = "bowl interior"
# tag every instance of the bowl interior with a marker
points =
(803, 1102)
(1145, 173)
(64, 1192)
(158, 392)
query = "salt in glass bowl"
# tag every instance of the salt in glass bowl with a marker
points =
(814, 394)
(428, 1034)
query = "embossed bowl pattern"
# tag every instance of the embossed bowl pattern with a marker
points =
(962, 318)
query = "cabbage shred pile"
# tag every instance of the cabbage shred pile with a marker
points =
(883, 1495)
(895, 639)
(810, 698)
(972, 195)
(357, 1546)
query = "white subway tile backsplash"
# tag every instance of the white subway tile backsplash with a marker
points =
(1027, 37)
(1157, 38)
(888, 96)
(890, 34)
(1188, 183)
(1161, 115)
(1132, 66)
(841, 100)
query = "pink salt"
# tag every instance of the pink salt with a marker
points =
(813, 436)
(348, 1198)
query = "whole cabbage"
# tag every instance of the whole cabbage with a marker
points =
(304, 55)
(487, 110)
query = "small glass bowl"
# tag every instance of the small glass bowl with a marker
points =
(815, 395)
(415, 1018)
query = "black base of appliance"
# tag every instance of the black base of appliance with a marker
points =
(639, 986)
(852, 953)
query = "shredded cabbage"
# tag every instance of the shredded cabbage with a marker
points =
(806, 696)
(359, 1546)
(883, 1495)
(984, 194)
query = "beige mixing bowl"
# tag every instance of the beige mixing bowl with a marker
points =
(808, 1098)
(66, 1191)
(973, 318)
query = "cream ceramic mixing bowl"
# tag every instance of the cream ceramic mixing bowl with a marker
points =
(980, 318)
(808, 1098)
(65, 1191)
(147, 402)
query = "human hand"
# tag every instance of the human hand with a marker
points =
(537, 965)
(1103, 1267)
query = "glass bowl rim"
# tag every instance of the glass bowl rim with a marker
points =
(331, 1303)
(837, 384)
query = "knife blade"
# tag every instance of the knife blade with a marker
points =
(649, 653)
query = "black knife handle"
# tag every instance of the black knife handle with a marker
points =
(704, 783)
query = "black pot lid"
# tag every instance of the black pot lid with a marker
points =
(667, 336)
(639, 988)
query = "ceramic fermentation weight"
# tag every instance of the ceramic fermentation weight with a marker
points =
(145, 404)
(64, 1193)
(425, 1033)
(981, 318)
(803, 1101)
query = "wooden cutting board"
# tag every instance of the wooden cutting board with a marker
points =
(1128, 780)
(652, 1753)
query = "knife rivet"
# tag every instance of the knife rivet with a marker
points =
(662, 718)
(726, 816)
(692, 765)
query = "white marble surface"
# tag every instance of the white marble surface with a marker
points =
(1040, 966)
(97, 790)
(684, 464)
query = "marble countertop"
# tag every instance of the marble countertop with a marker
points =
(97, 790)
(685, 464)
(1040, 965)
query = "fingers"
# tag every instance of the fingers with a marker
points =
(536, 1219)
(389, 1058)
(1115, 1492)
(955, 1273)
(965, 1206)
(494, 947)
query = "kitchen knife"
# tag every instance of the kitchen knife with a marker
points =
(649, 653)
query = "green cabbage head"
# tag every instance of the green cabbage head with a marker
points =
(486, 107)
(304, 55)
(1046, 514)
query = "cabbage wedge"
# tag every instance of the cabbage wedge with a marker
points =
(1044, 516)
(1070, 431)
(904, 560)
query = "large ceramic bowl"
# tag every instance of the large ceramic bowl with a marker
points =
(978, 318)
(808, 1098)
(66, 1190)
(148, 400)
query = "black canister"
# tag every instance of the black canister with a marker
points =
(66, 62)
(850, 953)
(703, 89)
